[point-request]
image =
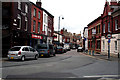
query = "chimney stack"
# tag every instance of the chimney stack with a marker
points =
(114, 3)
(39, 3)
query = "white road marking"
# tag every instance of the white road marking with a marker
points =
(101, 76)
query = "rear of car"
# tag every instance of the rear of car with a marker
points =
(22, 53)
(45, 50)
(59, 50)
(14, 53)
(80, 49)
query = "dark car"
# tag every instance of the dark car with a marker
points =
(79, 49)
(45, 50)
(59, 49)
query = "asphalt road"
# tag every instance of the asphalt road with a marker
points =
(68, 65)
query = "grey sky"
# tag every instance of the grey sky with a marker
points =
(77, 13)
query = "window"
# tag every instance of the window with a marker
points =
(98, 29)
(34, 12)
(26, 8)
(26, 23)
(115, 45)
(19, 4)
(103, 28)
(109, 27)
(116, 24)
(34, 25)
(38, 27)
(93, 44)
(39, 14)
(103, 45)
(89, 44)
(19, 21)
(98, 44)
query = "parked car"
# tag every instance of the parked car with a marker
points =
(59, 49)
(45, 50)
(22, 53)
(67, 46)
(80, 49)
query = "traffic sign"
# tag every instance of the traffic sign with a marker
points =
(109, 36)
(108, 40)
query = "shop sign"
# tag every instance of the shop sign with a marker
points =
(37, 36)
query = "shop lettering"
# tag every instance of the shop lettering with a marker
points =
(36, 36)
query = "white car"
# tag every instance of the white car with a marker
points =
(22, 53)
(80, 49)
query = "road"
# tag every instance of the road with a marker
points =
(72, 64)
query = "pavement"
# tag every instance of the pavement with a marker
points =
(102, 56)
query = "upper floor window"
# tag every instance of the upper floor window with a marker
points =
(34, 12)
(38, 27)
(26, 8)
(116, 24)
(103, 28)
(109, 27)
(26, 23)
(19, 21)
(34, 25)
(39, 14)
(19, 4)
(98, 29)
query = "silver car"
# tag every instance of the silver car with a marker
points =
(22, 53)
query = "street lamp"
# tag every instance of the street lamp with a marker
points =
(59, 26)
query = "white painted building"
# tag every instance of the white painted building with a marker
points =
(45, 23)
(85, 36)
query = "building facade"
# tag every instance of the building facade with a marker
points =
(94, 36)
(16, 23)
(111, 24)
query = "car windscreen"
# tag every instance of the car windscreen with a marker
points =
(15, 49)
(43, 46)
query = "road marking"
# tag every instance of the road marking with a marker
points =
(101, 76)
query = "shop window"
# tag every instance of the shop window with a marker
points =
(115, 45)
(98, 44)
(103, 45)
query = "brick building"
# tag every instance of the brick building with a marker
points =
(16, 23)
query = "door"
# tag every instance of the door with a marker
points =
(25, 52)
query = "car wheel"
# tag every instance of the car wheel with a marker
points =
(36, 57)
(23, 58)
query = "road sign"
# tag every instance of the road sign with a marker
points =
(109, 36)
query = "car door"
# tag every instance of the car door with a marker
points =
(32, 52)
(26, 52)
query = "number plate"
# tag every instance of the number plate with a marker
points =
(12, 58)
(41, 54)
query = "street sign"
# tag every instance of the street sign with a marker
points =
(109, 36)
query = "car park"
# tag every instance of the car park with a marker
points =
(45, 50)
(22, 53)
(80, 49)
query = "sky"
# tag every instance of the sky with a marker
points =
(77, 13)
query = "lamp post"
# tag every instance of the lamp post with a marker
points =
(59, 27)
